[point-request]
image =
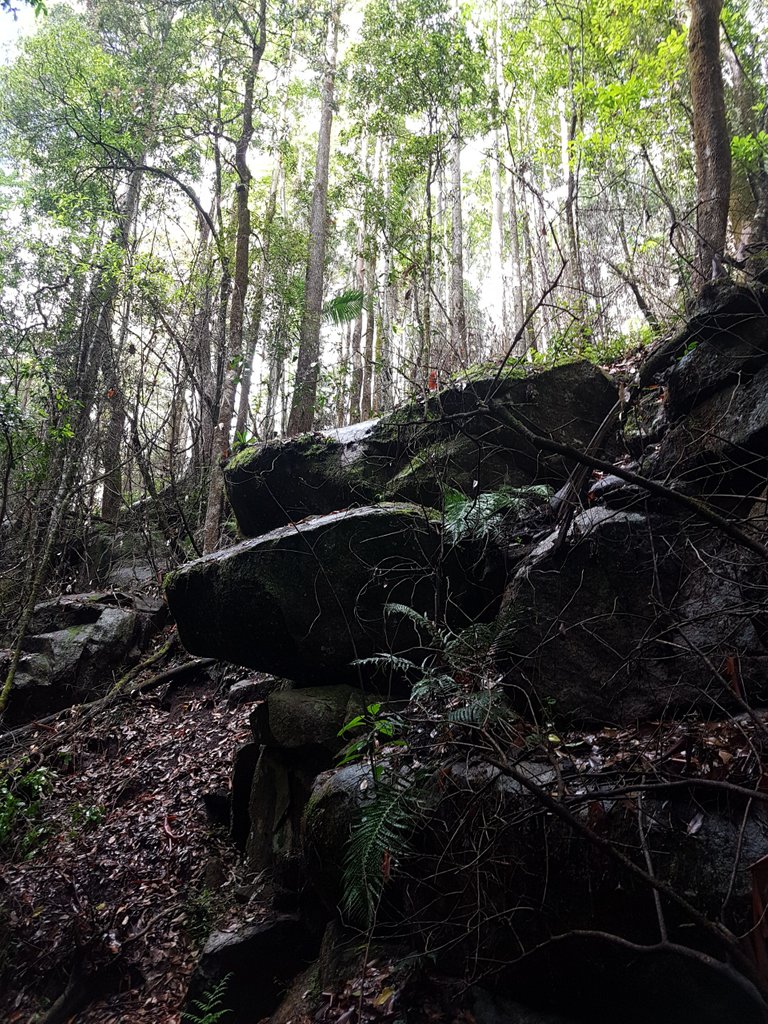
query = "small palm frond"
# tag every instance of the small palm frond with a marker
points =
(343, 308)
(381, 837)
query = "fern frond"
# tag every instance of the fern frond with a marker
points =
(419, 620)
(381, 835)
(209, 1006)
(479, 709)
(434, 684)
(388, 661)
(477, 517)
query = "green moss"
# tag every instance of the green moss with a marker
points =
(243, 458)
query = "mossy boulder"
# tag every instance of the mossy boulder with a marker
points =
(305, 601)
(76, 646)
(451, 439)
(306, 720)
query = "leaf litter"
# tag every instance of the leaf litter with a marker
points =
(128, 872)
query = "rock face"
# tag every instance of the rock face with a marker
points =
(451, 440)
(75, 645)
(296, 735)
(257, 961)
(305, 601)
(633, 618)
(716, 397)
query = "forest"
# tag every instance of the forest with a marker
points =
(383, 511)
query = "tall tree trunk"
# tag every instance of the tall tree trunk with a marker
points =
(384, 382)
(356, 342)
(499, 314)
(459, 345)
(569, 123)
(233, 350)
(521, 310)
(112, 495)
(423, 360)
(257, 305)
(366, 397)
(710, 139)
(308, 367)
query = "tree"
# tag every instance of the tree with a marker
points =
(710, 137)
(233, 354)
(308, 367)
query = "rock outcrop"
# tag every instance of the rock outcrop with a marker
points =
(451, 440)
(306, 601)
(74, 646)
(529, 856)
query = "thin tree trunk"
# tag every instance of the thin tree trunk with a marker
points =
(499, 314)
(233, 351)
(424, 357)
(307, 370)
(257, 306)
(459, 345)
(711, 139)
(366, 398)
(112, 495)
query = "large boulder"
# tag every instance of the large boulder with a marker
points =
(721, 445)
(725, 342)
(76, 645)
(414, 453)
(305, 601)
(634, 616)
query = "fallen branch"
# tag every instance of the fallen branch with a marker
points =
(171, 673)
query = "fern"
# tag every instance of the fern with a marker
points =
(479, 516)
(381, 836)
(392, 661)
(434, 683)
(209, 1006)
(480, 709)
(419, 620)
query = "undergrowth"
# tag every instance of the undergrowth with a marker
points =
(23, 828)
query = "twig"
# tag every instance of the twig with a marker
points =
(698, 508)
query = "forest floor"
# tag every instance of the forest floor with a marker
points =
(119, 867)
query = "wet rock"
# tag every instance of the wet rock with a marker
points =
(414, 453)
(76, 646)
(306, 601)
(246, 691)
(333, 808)
(726, 341)
(243, 769)
(722, 444)
(306, 720)
(279, 793)
(633, 617)
(260, 960)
